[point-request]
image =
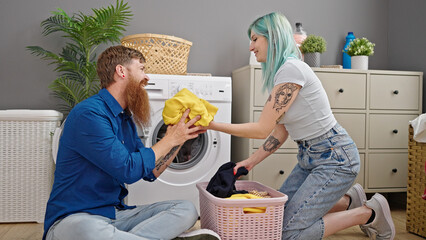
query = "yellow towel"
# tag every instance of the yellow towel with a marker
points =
(184, 99)
(249, 209)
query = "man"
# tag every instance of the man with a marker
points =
(100, 152)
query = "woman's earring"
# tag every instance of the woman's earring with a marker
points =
(123, 75)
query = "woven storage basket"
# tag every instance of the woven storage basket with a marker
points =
(227, 218)
(26, 165)
(416, 206)
(163, 54)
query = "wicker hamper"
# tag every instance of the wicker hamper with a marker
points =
(416, 206)
(163, 54)
(228, 219)
(26, 165)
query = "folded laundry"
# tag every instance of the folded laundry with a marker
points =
(222, 184)
(249, 209)
(260, 194)
(419, 128)
(184, 99)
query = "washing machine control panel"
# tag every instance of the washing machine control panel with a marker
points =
(203, 89)
(211, 88)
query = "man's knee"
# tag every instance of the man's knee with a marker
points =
(190, 210)
(83, 226)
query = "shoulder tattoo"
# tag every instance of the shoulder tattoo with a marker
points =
(283, 95)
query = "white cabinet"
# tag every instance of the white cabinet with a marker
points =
(374, 106)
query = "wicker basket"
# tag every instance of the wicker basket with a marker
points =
(227, 217)
(26, 166)
(416, 206)
(163, 54)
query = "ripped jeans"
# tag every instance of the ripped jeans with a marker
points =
(327, 167)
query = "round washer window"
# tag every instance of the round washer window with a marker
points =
(189, 154)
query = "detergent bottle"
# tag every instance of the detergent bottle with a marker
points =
(346, 58)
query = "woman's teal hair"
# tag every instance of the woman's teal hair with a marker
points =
(281, 45)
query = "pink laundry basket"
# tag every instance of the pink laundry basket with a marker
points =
(227, 218)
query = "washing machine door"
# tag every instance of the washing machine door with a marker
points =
(191, 152)
(195, 160)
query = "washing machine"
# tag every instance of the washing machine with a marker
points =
(199, 158)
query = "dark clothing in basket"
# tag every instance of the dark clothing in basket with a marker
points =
(222, 184)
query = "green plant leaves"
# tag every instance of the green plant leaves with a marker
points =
(313, 44)
(360, 47)
(76, 63)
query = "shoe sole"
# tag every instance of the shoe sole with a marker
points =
(200, 234)
(386, 211)
(360, 192)
(198, 237)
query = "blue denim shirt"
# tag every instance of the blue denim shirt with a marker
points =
(99, 152)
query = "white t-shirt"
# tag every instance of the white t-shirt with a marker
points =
(310, 114)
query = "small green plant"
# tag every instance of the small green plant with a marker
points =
(76, 64)
(313, 44)
(360, 47)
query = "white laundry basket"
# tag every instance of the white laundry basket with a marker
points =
(26, 165)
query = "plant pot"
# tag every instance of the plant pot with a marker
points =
(359, 62)
(313, 59)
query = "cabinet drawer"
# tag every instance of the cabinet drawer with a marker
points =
(275, 169)
(389, 131)
(387, 170)
(345, 90)
(257, 143)
(354, 123)
(260, 97)
(394, 92)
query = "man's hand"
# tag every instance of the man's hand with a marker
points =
(166, 149)
(181, 132)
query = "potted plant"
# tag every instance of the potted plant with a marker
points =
(312, 47)
(76, 64)
(360, 49)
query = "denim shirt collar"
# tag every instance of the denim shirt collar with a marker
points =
(111, 102)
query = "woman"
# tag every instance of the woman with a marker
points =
(328, 160)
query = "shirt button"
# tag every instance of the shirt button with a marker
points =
(122, 142)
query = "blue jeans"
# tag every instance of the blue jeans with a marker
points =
(162, 220)
(327, 167)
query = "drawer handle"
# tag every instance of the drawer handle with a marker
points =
(281, 172)
(394, 170)
(341, 90)
(396, 92)
(395, 131)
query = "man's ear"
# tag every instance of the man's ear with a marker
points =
(119, 69)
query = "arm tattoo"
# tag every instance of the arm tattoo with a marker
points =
(284, 95)
(271, 144)
(269, 98)
(163, 159)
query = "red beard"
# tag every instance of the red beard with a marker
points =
(138, 101)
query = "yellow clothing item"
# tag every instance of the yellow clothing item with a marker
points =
(184, 99)
(249, 209)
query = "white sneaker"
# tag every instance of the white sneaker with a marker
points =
(358, 199)
(200, 234)
(382, 226)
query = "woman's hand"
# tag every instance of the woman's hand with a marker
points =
(248, 164)
(181, 132)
